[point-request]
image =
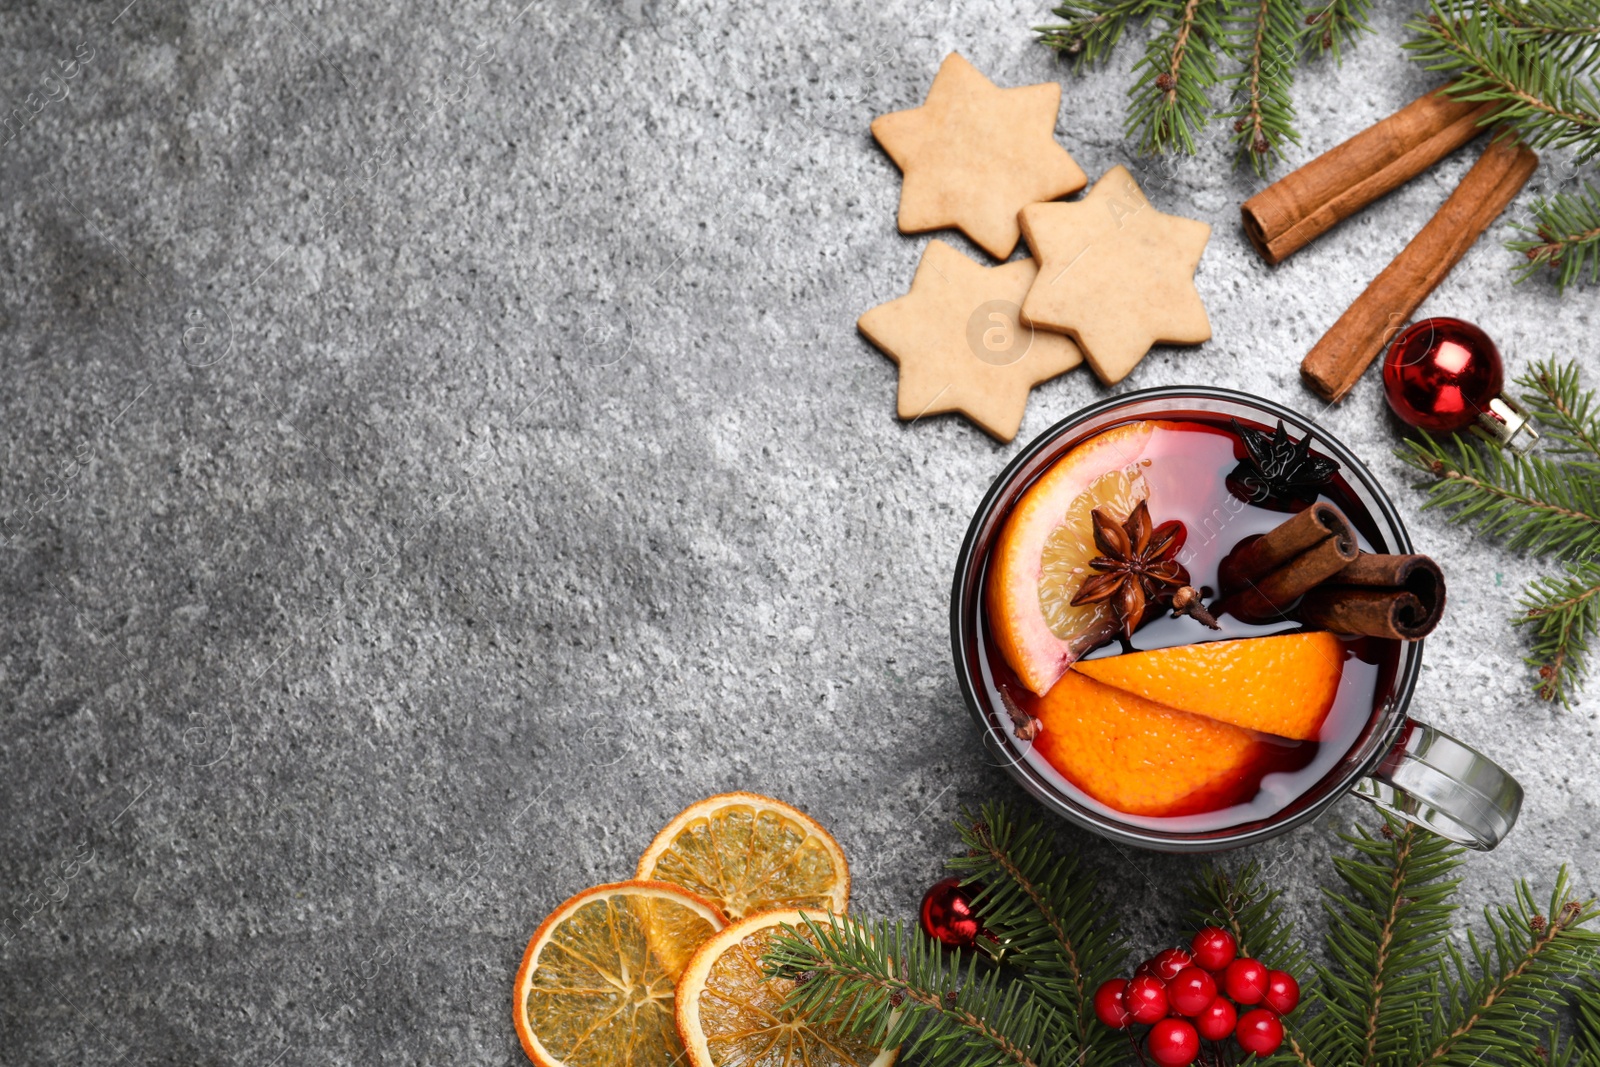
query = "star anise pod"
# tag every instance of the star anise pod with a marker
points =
(1139, 565)
(1278, 469)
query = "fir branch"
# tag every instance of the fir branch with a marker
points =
(1553, 1053)
(1532, 956)
(1395, 992)
(1384, 937)
(1170, 103)
(1561, 18)
(1584, 1049)
(893, 985)
(1534, 504)
(1555, 396)
(1563, 613)
(1264, 37)
(1242, 905)
(1548, 504)
(1566, 237)
(1338, 22)
(1586, 1007)
(1172, 79)
(1542, 88)
(1046, 915)
(1564, 1054)
(1091, 28)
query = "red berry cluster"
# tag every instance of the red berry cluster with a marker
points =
(1208, 992)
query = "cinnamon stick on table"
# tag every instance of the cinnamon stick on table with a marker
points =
(1336, 362)
(1398, 597)
(1265, 575)
(1301, 206)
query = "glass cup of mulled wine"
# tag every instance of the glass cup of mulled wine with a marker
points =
(1136, 663)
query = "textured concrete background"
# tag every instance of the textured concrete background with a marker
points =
(438, 447)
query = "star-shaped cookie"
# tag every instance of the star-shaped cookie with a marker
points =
(1115, 274)
(960, 344)
(973, 155)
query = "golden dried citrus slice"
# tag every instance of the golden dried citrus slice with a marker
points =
(1042, 555)
(747, 854)
(730, 1013)
(596, 983)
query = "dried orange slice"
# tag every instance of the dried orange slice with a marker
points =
(1042, 554)
(1141, 757)
(747, 854)
(730, 1012)
(595, 988)
(1284, 684)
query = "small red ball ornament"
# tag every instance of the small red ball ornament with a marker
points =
(1283, 992)
(1109, 1007)
(1214, 948)
(1445, 375)
(1165, 964)
(947, 913)
(1192, 991)
(1146, 998)
(1245, 981)
(1259, 1032)
(1216, 1023)
(1174, 1043)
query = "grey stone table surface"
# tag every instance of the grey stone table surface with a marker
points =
(437, 448)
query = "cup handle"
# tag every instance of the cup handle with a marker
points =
(1431, 779)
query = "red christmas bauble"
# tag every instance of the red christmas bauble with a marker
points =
(947, 913)
(1440, 374)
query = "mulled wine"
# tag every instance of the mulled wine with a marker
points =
(1136, 682)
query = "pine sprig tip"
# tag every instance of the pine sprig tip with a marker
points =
(1545, 504)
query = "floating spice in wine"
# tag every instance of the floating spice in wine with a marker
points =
(1277, 471)
(1398, 597)
(1264, 576)
(1138, 568)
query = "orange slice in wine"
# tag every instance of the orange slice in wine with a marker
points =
(1042, 554)
(1140, 757)
(1283, 684)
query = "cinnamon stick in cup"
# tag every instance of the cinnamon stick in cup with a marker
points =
(1263, 577)
(1337, 361)
(1303, 205)
(1398, 597)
